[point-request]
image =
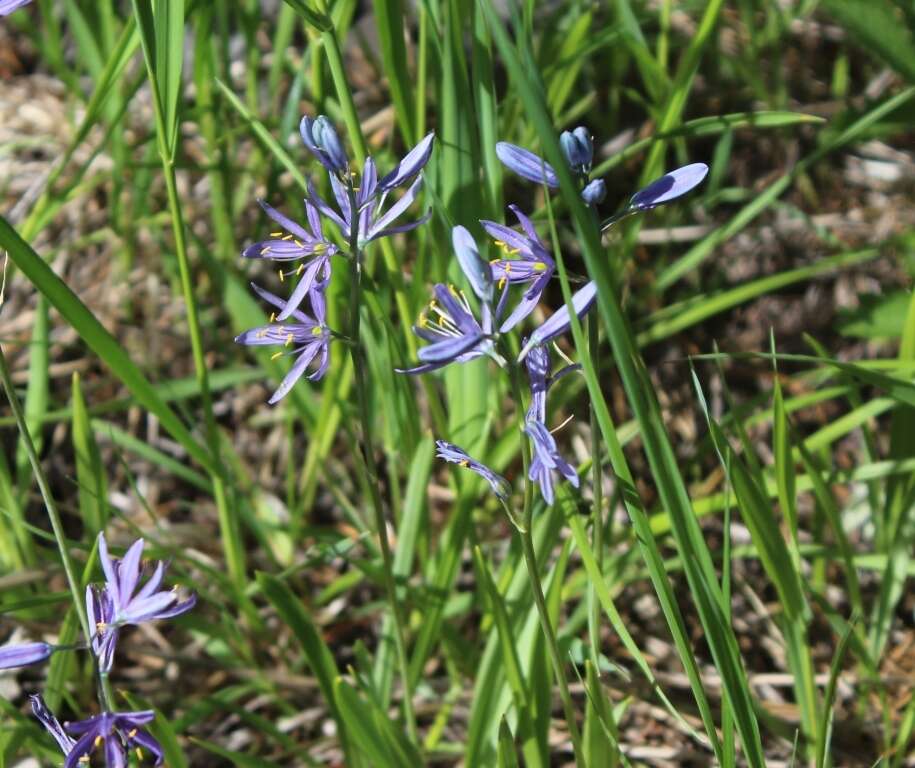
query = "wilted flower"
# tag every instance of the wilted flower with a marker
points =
(558, 323)
(537, 363)
(296, 243)
(305, 338)
(669, 187)
(51, 724)
(24, 654)
(531, 263)
(119, 602)
(117, 732)
(454, 454)
(546, 460)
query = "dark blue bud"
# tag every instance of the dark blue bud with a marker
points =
(326, 138)
(576, 146)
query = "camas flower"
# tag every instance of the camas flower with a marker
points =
(454, 454)
(305, 338)
(119, 602)
(8, 6)
(116, 732)
(293, 244)
(537, 363)
(558, 323)
(546, 460)
(531, 263)
(448, 322)
(24, 654)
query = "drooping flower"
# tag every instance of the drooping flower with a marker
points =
(669, 187)
(530, 263)
(296, 243)
(558, 323)
(119, 602)
(546, 460)
(116, 732)
(452, 453)
(8, 6)
(305, 338)
(24, 654)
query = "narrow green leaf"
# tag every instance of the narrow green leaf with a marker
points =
(169, 34)
(90, 475)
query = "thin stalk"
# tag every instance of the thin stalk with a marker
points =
(360, 369)
(597, 523)
(49, 503)
(533, 572)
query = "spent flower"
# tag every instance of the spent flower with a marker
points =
(546, 460)
(454, 454)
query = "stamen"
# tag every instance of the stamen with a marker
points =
(300, 270)
(554, 430)
(287, 238)
(539, 266)
(276, 234)
(299, 243)
(317, 330)
(131, 733)
(289, 338)
(464, 463)
(98, 741)
(281, 275)
(273, 317)
(276, 355)
(502, 283)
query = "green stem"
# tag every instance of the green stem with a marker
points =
(533, 572)
(368, 451)
(597, 524)
(49, 503)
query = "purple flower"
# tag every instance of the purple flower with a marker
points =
(51, 724)
(24, 654)
(531, 263)
(368, 221)
(453, 333)
(454, 454)
(296, 243)
(322, 141)
(305, 338)
(669, 187)
(116, 732)
(120, 603)
(8, 6)
(558, 323)
(546, 460)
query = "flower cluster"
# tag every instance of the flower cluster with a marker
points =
(457, 334)
(130, 595)
(360, 217)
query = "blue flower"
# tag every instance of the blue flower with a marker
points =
(8, 6)
(24, 654)
(546, 460)
(558, 323)
(119, 602)
(454, 454)
(321, 139)
(306, 338)
(669, 187)
(297, 243)
(530, 263)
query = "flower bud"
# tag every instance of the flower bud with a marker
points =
(22, 655)
(576, 146)
(595, 192)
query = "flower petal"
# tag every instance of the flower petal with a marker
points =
(477, 271)
(295, 373)
(669, 187)
(412, 163)
(284, 221)
(559, 322)
(129, 572)
(397, 209)
(526, 164)
(108, 569)
(448, 349)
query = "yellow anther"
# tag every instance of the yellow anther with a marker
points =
(280, 273)
(494, 261)
(500, 243)
(132, 733)
(289, 339)
(464, 463)
(300, 270)
(100, 627)
(539, 267)
(319, 248)
(501, 283)
(276, 234)
(508, 267)
(139, 753)
(300, 244)
(287, 238)
(273, 317)
(99, 741)
(276, 355)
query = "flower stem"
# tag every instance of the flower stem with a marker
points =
(597, 529)
(361, 372)
(533, 572)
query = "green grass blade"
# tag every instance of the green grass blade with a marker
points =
(90, 475)
(389, 17)
(99, 340)
(169, 36)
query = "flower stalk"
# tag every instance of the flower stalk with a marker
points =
(360, 370)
